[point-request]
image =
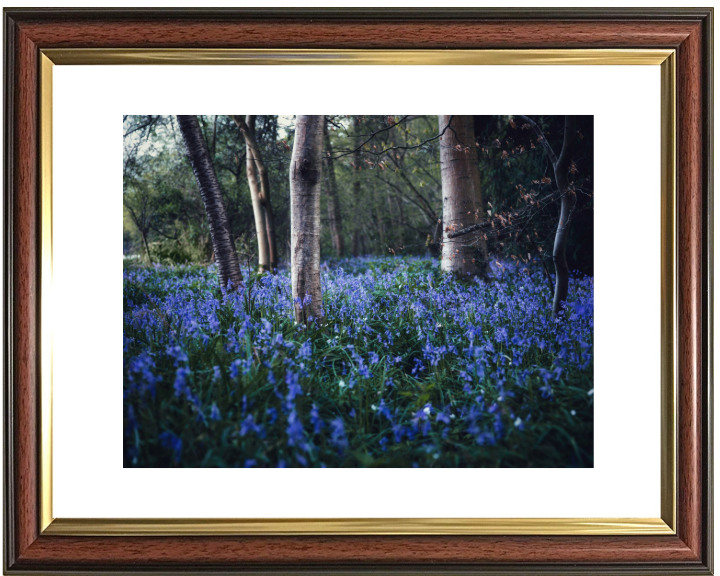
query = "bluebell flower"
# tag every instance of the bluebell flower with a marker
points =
(273, 414)
(177, 354)
(546, 391)
(398, 431)
(140, 374)
(383, 410)
(419, 367)
(496, 338)
(305, 350)
(235, 368)
(315, 419)
(181, 385)
(172, 442)
(486, 439)
(337, 435)
(132, 421)
(295, 431)
(249, 425)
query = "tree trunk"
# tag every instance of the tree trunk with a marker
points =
(265, 198)
(400, 210)
(332, 200)
(305, 179)
(143, 233)
(379, 220)
(561, 166)
(394, 236)
(357, 160)
(257, 179)
(460, 191)
(567, 203)
(202, 166)
(254, 184)
(214, 140)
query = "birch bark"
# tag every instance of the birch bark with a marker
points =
(460, 190)
(333, 205)
(264, 196)
(305, 179)
(357, 160)
(251, 167)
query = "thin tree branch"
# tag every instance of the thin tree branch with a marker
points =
(541, 137)
(391, 148)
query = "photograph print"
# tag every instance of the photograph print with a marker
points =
(389, 291)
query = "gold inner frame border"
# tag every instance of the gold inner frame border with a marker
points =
(664, 525)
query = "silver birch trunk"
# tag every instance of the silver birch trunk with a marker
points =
(255, 195)
(460, 190)
(357, 160)
(305, 179)
(202, 166)
(264, 194)
(333, 205)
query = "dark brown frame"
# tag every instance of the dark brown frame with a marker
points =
(687, 30)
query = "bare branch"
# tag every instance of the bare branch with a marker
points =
(391, 148)
(519, 216)
(542, 139)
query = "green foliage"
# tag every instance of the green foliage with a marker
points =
(161, 196)
(388, 185)
(389, 188)
(172, 252)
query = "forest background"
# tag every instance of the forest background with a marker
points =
(371, 204)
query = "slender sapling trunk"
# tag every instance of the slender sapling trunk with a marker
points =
(333, 205)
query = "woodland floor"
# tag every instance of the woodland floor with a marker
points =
(411, 367)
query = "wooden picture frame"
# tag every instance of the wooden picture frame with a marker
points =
(30, 546)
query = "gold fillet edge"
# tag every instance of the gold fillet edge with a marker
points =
(211, 56)
(359, 526)
(668, 295)
(664, 525)
(46, 280)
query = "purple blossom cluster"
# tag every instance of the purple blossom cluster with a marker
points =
(409, 366)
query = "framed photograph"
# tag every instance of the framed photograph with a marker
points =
(386, 341)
